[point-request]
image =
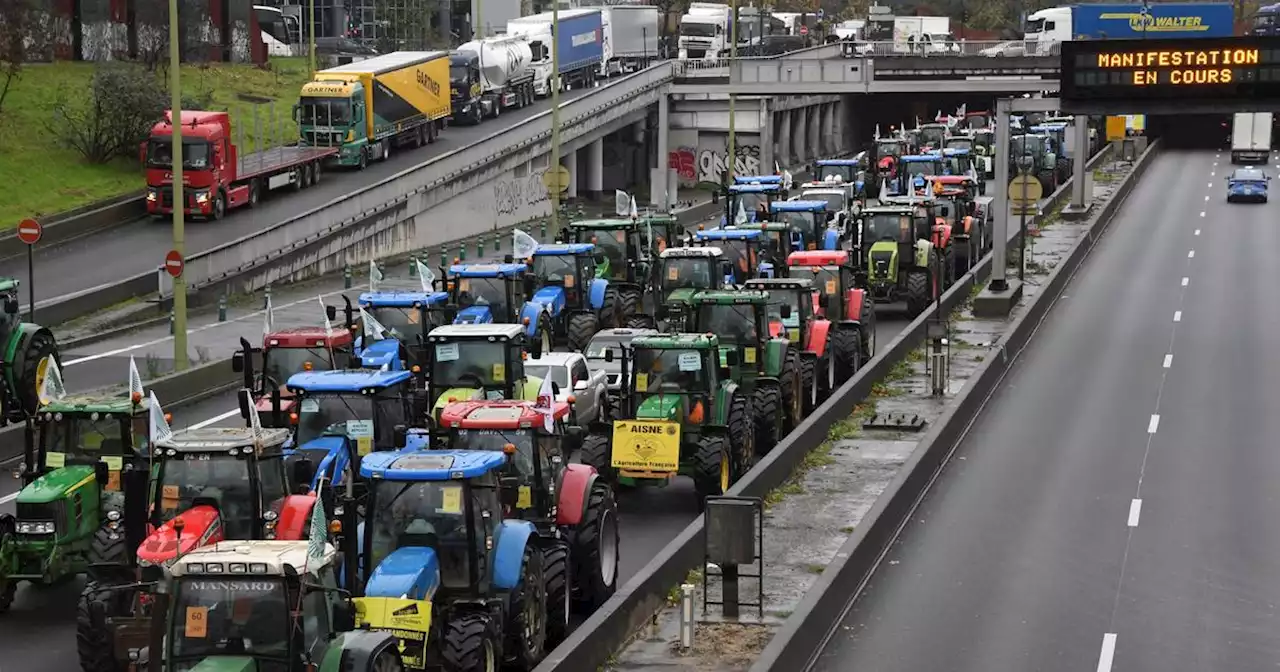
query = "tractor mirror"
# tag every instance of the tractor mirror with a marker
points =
(331, 312)
(237, 362)
(555, 388)
(11, 306)
(572, 432)
(304, 471)
(344, 617)
(245, 399)
(786, 311)
(400, 436)
(509, 491)
(100, 473)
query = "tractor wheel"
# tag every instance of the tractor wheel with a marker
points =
(582, 326)
(628, 304)
(595, 545)
(767, 405)
(712, 467)
(846, 356)
(1048, 180)
(388, 660)
(526, 636)
(555, 575)
(40, 345)
(641, 323)
(109, 547)
(469, 644)
(809, 384)
(918, 294)
(94, 641)
(597, 451)
(740, 433)
(1064, 169)
(867, 330)
(792, 394)
(609, 315)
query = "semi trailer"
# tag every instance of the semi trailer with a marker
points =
(490, 75)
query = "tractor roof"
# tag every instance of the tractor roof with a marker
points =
(798, 206)
(1049, 127)
(430, 465)
(220, 439)
(676, 342)
(251, 558)
(818, 258)
(345, 380)
(921, 158)
(955, 151)
(799, 284)
(563, 249)
(607, 224)
(306, 337)
(401, 299)
(502, 414)
(727, 234)
(680, 252)
(730, 296)
(837, 162)
(507, 332)
(486, 270)
(771, 188)
(87, 404)
(757, 179)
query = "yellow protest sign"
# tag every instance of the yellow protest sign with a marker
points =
(749, 356)
(408, 620)
(640, 445)
(831, 286)
(642, 381)
(364, 445)
(55, 460)
(499, 372)
(793, 335)
(451, 499)
(525, 499)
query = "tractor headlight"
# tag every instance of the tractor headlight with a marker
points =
(34, 527)
(202, 196)
(113, 516)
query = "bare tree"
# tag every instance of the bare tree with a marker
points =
(124, 101)
(17, 19)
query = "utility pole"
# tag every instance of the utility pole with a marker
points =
(311, 9)
(179, 198)
(731, 159)
(554, 187)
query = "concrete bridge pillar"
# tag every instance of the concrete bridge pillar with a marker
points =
(837, 126)
(570, 162)
(766, 136)
(640, 158)
(828, 128)
(815, 132)
(658, 195)
(595, 169)
(800, 145)
(784, 138)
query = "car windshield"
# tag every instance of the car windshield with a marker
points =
(491, 292)
(670, 371)
(686, 272)
(735, 323)
(886, 226)
(833, 199)
(779, 298)
(555, 269)
(195, 153)
(923, 167)
(80, 435)
(469, 363)
(284, 362)
(219, 477)
(346, 414)
(1249, 175)
(422, 514)
(889, 148)
(612, 243)
(325, 112)
(558, 374)
(226, 616)
(844, 172)
(597, 348)
(458, 75)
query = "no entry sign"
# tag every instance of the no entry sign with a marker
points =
(29, 231)
(173, 263)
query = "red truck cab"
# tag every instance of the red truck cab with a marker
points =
(209, 165)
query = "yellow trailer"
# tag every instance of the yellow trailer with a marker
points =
(400, 98)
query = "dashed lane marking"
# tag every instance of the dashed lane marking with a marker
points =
(1108, 652)
(1168, 360)
(1135, 510)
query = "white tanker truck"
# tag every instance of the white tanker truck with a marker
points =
(489, 75)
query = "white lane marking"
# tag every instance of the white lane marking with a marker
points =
(1135, 510)
(1191, 254)
(1154, 423)
(8, 498)
(1108, 652)
(1206, 198)
(1177, 316)
(1186, 281)
(1168, 361)
(216, 418)
(1197, 232)
(1202, 213)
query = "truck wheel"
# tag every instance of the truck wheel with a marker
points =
(219, 207)
(766, 405)
(712, 467)
(364, 158)
(555, 574)
(315, 173)
(595, 550)
(497, 108)
(254, 196)
(386, 149)
(582, 326)
(597, 452)
(433, 132)
(526, 638)
(469, 644)
(476, 115)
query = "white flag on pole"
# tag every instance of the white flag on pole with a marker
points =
(373, 329)
(741, 217)
(633, 212)
(268, 319)
(52, 388)
(318, 536)
(135, 380)
(159, 428)
(324, 310)
(545, 404)
(255, 422)
(523, 245)
(427, 277)
(375, 275)
(620, 202)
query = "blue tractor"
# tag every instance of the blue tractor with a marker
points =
(408, 317)
(913, 172)
(753, 198)
(564, 275)
(811, 225)
(499, 294)
(441, 566)
(847, 171)
(1062, 165)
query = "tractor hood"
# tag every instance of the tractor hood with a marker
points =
(203, 526)
(474, 315)
(334, 464)
(55, 485)
(551, 296)
(660, 407)
(883, 260)
(683, 295)
(410, 572)
(527, 392)
(381, 353)
(226, 664)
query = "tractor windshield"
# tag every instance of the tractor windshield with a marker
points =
(784, 297)
(495, 440)
(976, 121)
(959, 143)
(470, 363)
(886, 226)
(403, 323)
(983, 140)
(742, 254)
(80, 435)
(734, 322)
(846, 173)
(687, 272)
(671, 371)
(806, 224)
(751, 202)
(231, 616)
(933, 135)
(834, 199)
(491, 292)
(612, 243)
(948, 208)
(555, 269)
(958, 164)
(219, 478)
(826, 279)
(1027, 145)
(284, 362)
(334, 414)
(423, 514)
(924, 168)
(890, 148)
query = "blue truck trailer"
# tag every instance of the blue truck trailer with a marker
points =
(1048, 27)
(580, 44)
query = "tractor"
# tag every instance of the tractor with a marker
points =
(467, 361)
(1038, 155)
(630, 249)
(683, 413)
(844, 303)
(842, 198)
(499, 294)
(932, 136)
(901, 259)
(957, 209)
(262, 605)
(570, 292)
(407, 318)
(771, 369)
(569, 499)
(852, 172)
(463, 586)
(1062, 138)
(284, 353)
(748, 250)
(914, 173)
(208, 485)
(803, 325)
(683, 271)
(83, 499)
(960, 162)
(811, 224)
(750, 202)
(984, 149)
(29, 349)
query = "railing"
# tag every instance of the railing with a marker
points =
(987, 48)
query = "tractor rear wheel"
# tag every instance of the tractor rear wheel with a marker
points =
(846, 355)
(555, 575)
(526, 636)
(628, 304)
(109, 547)
(740, 433)
(582, 326)
(918, 294)
(808, 384)
(792, 393)
(641, 322)
(41, 344)
(597, 451)
(767, 405)
(609, 314)
(595, 550)
(712, 467)
(469, 644)
(94, 642)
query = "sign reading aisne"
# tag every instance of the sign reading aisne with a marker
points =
(1227, 68)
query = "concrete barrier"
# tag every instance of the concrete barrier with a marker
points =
(66, 226)
(606, 630)
(806, 632)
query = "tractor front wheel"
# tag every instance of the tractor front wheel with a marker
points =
(469, 644)
(918, 294)
(94, 641)
(767, 406)
(555, 574)
(595, 549)
(628, 304)
(8, 586)
(740, 433)
(582, 326)
(109, 547)
(789, 380)
(809, 384)
(597, 451)
(526, 636)
(712, 467)
(845, 356)
(40, 345)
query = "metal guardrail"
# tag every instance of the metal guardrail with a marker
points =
(988, 48)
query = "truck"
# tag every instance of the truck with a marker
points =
(630, 38)
(580, 46)
(1251, 137)
(704, 31)
(490, 75)
(923, 35)
(365, 107)
(1266, 21)
(215, 176)
(1048, 28)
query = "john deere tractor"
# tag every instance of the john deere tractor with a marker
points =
(683, 413)
(770, 368)
(682, 272)
(792, 314)
(901, 261)
(28, 349)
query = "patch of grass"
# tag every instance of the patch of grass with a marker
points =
(44, 178)
(847, 529)
(815, 568)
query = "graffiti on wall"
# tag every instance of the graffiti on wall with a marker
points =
(684, 162)
(712, 156)
(514, 196)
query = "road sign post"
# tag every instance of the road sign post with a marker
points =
(174, 263)
(29, 232)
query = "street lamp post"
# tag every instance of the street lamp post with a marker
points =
(733, 58)
(311, 32)
(179, 198)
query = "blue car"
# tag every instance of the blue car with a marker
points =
(1247, 184)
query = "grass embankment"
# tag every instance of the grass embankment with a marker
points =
(43, 178)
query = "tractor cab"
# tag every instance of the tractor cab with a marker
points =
(741, 321)
(406, 318)
(956, 161)
(747, 250)
(1038, 154)
(752, 200)
(845, 171)
(933, 136)
(793, 302)
(683, 271)
(284, 353)
(916, 169)
(490, 293)
(977, 120)
(841, 197)
(842, 300)
(811, 224)
(479, 361)
(831, 273)
(898, 250)
(625, 247)
(567, 289)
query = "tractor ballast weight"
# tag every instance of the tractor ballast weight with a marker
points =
(844, 302)
(566, 286)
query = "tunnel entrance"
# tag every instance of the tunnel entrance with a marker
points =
(1191, 131)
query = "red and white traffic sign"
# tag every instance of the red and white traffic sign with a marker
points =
(173, 263)
(29, 231)
(804, 30)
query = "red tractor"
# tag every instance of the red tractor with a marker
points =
(841, 300)
(802, 322)
(285, 353)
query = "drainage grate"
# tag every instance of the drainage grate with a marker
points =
(896, 421)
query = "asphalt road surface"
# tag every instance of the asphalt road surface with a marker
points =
(1115, 505)
(38, 633)
(141, 245)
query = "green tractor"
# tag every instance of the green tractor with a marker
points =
(82, 506)
(1037, 153)
(28, 351)
(683, 413)
(770, 366)
(901, 260)
(629, 248)
(683, 272)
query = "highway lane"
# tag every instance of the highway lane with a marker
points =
(141, 245)
(1111, 507)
